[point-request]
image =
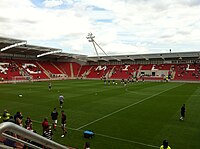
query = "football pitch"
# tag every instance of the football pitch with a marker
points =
(137, 116)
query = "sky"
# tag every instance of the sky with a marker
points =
(120, 27)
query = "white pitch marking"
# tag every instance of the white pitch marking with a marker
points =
(130, 141)
(110, 137)
(133, 104)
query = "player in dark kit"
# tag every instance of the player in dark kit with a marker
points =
(63, 123)
(182, 112)
(54, 117)
(50, 86)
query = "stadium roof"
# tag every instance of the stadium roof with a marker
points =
(15, 46)
(163, 56)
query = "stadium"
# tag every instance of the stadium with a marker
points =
(128, 101)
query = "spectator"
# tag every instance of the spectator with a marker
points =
(28, 121)
(165, 145)
(29, 124)
(18, 118)
(45, 124)
(48, 133)
(87, 145)
(6, 116)
(11, 119)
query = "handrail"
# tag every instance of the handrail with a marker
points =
(8, 126)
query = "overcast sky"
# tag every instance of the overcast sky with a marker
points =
(119, 26)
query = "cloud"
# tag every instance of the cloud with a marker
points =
(124, 49)
(52, 3)
(191, 2)
(42, 24)
(132, 25)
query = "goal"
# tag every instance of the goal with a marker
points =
(17, 79)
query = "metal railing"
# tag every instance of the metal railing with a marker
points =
(20, 131)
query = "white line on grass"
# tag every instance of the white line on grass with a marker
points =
(57, 126)
(133, 104)
(133, 92)
(110, 137)
(130, 141)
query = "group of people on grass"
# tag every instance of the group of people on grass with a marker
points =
(28, 123)
(47, 132)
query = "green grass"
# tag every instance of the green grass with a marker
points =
(138, 116)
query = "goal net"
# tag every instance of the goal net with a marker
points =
(17, 79)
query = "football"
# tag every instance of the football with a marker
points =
(20, 95)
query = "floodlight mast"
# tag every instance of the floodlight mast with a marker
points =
(90, 38)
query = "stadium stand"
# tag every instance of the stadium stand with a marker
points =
(63, 67)
(44, 63)
(147, 67)
(74, 69)
(121, 71)
(22, 62)
(84, 71)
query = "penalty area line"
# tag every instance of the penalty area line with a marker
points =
(124, 108)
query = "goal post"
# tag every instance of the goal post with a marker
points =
(17, 79)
